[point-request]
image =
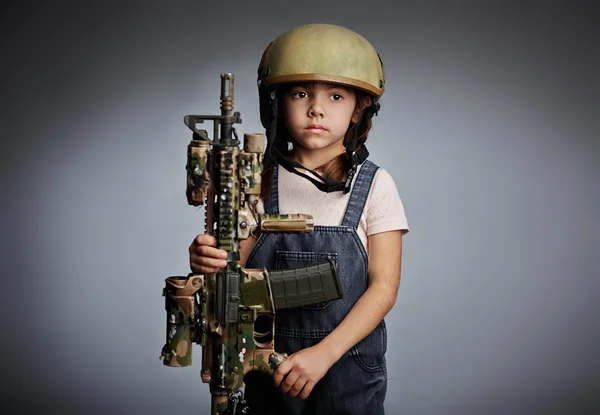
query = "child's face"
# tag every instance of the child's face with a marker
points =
(318, 114)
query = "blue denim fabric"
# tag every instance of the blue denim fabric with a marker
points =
(356, 384)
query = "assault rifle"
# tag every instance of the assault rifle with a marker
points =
(231, 313)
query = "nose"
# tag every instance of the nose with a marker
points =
(316, 108)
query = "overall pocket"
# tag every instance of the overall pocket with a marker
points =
(300, 259)
(369, 353)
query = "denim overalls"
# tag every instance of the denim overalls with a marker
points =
(356, 384)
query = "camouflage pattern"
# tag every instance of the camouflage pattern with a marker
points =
(231, 313)
(251, 163)
(240, 347)
(197, 176)
(250, 172)
(182, 311)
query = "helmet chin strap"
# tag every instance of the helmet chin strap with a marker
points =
(269, 160)
(323, 184)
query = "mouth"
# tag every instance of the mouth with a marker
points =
(316, 127)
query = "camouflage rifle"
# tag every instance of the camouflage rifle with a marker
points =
(231, 313)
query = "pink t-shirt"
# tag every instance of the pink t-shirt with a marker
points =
(383, 210)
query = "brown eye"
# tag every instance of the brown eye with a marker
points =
(299, 94)
(336, 97)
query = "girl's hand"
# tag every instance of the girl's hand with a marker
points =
(302, 371)
(204, 258)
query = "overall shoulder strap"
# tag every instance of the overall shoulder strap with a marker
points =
(272, 203)
(360, 192)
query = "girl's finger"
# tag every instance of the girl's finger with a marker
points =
(282, 370)
(210, 262)
(205, 240)
(306, 390)
(298, 387)
(289, 381)
(211, 252)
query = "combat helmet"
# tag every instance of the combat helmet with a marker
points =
(318, 53)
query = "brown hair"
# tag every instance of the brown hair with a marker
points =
(335, 169)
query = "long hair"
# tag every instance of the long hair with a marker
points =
(335, 169)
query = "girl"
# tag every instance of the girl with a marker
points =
(319, 86)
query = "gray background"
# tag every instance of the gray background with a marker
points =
(489, 125)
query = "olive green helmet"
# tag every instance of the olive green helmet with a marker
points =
(320, 52)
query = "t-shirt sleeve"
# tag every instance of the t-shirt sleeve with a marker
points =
(384, 210)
